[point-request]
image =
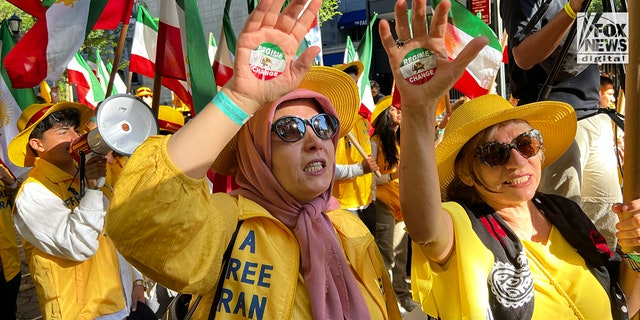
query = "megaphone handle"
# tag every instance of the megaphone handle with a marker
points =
(101, 180)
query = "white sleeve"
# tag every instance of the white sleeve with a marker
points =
(43, 219)
(348, 171)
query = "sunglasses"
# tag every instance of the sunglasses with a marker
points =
(495, 153)
(292, 129)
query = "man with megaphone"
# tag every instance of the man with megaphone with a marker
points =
(76, 269)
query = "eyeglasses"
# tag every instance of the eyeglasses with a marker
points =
(495, 153)
(292, 129)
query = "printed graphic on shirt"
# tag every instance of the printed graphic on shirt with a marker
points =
(255, 274)
(267, 61)
(418, 66)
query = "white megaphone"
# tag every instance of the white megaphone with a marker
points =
(123, 122)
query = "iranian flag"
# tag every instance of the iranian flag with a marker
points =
(463, 27)
(88, 87)
(103, 73)
(213, 47)
(114, 12)
(312, 38)
(12, 101)
(143, 47)
(363, 54)
(223, 64)
(182, 48)
(44, 51)
(143, 55)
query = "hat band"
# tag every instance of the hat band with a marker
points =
(170, 126)
(36, 116)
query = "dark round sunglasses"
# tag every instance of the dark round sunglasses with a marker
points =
(292, 129)
(495, 153)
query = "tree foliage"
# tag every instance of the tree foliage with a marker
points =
(328, 10)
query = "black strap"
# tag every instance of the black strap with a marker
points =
(545, 91)
(223, 273)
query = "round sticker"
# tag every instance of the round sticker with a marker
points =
(418, 66)
(267, 61)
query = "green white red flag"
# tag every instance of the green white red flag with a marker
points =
(143, 55)
(103, 73)
(12, 102)
(88, 87)
(213, 47)
(463, 26)
(44, 51)
(223, 64)
(364, 55)
(182, 48)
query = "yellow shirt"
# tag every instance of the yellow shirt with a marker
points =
(174, 230)
(354, 193)
(9, 254)
(458, 289)
(388, 193)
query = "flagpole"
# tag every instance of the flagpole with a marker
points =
(631, 184)
(118, 53)
(129, 81)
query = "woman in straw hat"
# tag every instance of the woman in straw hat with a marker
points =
(498, 249)
(290, 255)
(390, 234)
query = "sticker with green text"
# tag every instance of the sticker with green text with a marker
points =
(267, 61)
(418, 66)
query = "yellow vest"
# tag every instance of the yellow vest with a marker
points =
(388, 193)
(70, 289)
(356, 192)
(9, 254)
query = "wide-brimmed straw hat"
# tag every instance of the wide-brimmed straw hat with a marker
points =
(19, 152)
(555, 120)
(381, 106)
(330, 82)
(344, 66)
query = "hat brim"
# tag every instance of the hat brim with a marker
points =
(330, 82)
(555, 120)
(344, 66)
(20, 153)
(381, 106)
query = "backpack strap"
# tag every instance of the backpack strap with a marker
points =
(225, 267)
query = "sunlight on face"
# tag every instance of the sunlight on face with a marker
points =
(304, 168)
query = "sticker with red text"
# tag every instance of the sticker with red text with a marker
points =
(418, 66)
(267, 61)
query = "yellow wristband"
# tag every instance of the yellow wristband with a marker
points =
(567, 8)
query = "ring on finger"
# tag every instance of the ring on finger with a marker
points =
(400, 43)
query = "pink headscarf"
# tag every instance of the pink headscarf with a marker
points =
(333, 290)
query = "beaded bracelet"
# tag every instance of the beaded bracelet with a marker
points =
(567, 8)
(230, 109)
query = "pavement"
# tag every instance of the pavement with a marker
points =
(28, 308)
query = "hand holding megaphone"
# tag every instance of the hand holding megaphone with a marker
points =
(122, 124)
(95, 171)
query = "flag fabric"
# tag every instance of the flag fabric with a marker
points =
(143, 46)
(182, 48)
(44, 51)
(213, 47)
(350, 53)
(88, 87)
(12, 102)
(363, 54)
(143, 55)
(463, 27)
(223, 64)
(103, 73)
(114, 12)
(312, 38)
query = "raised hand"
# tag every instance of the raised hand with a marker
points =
(266, 25)
(401, 53)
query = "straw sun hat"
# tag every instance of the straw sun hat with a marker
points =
(555, 120)
(344, 66)
(19, 152)
(330, 82)
(381, 106)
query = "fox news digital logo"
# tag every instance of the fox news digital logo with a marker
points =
(603, 38)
